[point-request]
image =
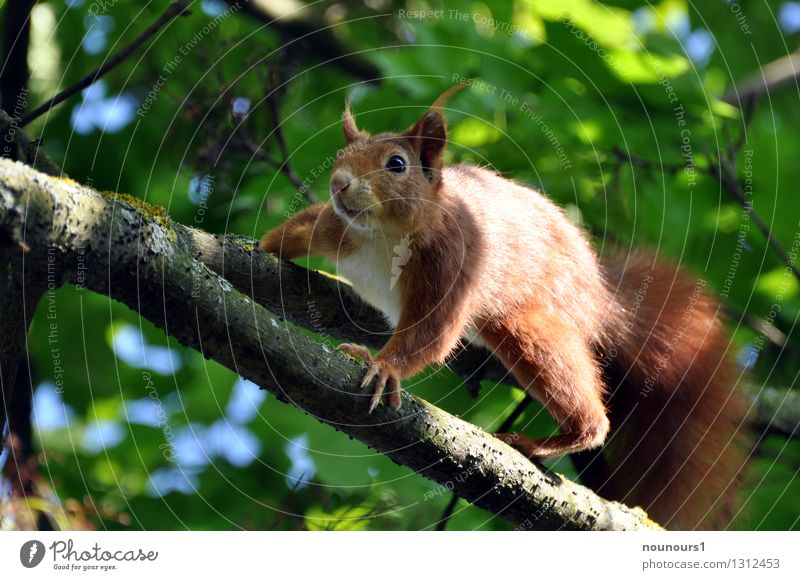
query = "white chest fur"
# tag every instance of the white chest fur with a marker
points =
(374, 271)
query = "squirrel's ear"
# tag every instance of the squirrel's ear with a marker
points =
(429, 133)
(349, 128)
(429, 137)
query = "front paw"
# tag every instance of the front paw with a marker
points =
(388, 377)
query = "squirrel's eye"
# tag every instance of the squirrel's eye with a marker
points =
(396, 164)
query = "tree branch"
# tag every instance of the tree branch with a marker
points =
(18, 146)
(14, 72)
(505, 427)
(724, 171)
(770, 78)
(136, 257)
(305, 33)
(176, 8)
(778, 411)
(273, 90)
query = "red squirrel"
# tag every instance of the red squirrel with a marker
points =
(459, 253)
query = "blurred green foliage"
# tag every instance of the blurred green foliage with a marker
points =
(565, 83)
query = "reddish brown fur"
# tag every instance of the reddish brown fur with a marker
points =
(496, 262)
(316, 230)
(680, 439)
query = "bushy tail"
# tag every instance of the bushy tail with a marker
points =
(678, 440)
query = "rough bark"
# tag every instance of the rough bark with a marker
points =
(139, 257)
(19, 295)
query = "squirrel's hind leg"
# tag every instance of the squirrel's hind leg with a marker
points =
(555, 365)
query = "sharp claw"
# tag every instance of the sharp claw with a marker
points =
(371, 372)
(379, 387)
(373, 404)
(395, 396)
(387, 378)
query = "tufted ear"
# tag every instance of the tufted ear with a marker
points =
(349, 128)
(429, 133)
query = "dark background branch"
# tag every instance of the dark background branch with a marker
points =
(174, 10)
(304, 32)
(16, 37)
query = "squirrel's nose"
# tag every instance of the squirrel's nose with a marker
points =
(339, 184)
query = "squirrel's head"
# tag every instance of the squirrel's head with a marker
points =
(390, 182)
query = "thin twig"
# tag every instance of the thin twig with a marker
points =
(280, 161)
(748, 111)
(768, 79)
(284, 167)
(444, 519)
(177, 8)
(725, 172)
(644, 163)
(281, 510)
